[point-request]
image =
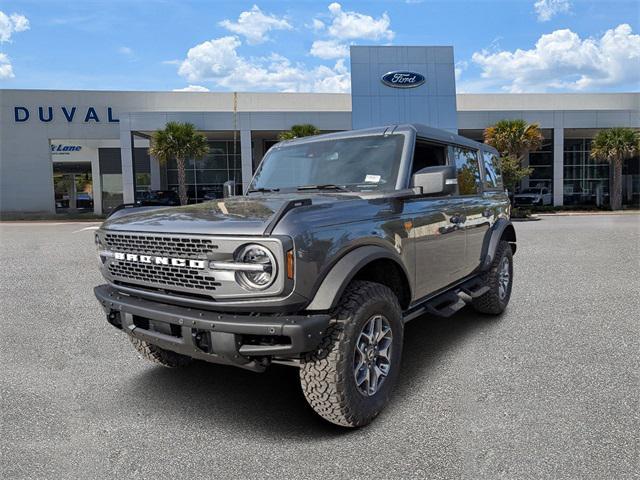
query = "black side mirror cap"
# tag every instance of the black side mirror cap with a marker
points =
(440, 179)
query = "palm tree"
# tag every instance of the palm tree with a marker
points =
(514, 139)
(297, 131)
(179, 141)
(615, 145)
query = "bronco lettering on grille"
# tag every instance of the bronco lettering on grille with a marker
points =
(175, 262)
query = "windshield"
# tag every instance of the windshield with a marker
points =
(370, 162)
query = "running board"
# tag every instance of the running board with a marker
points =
(449, 302)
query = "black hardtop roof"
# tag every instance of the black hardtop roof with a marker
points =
(421, 131)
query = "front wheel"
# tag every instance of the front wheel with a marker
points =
(499, 279)
(349, 378)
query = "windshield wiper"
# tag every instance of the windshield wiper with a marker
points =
(326, 186)
(263, 190)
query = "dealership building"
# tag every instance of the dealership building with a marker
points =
(64, 151)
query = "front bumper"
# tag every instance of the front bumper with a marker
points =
(247, 341)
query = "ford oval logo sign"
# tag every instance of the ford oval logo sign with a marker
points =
(402, 79)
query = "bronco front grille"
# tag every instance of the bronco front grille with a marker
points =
(176, 246)
(160, 275)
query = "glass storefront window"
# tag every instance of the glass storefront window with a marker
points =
(586, 181)
(111, 191)
(205, 176)
(541, 161)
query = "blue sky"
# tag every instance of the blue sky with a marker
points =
(500, 45)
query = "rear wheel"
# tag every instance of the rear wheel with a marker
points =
(349, 378)
(499, 279)
(158, 355)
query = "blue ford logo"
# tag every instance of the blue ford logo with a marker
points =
(401, 79)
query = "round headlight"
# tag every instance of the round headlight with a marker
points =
(263, 274)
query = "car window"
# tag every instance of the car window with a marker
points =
(492, 177)
(468, 170)
(428, 155)
(360, 162)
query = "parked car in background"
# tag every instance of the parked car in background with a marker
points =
(84, 200)
(167, 198)
(534, 196)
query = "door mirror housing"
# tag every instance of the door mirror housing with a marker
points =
(441, 180)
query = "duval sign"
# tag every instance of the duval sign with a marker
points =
(47, 114)
(403, 79)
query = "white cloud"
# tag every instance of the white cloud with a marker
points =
(212, 59)
(218, 61)
(561, 60)
(328, 49)
(547, 9)
(10, 24)
(192, 88)
(317, 25)
(6, 70)
(255, 24)
(127, 51)
(347, 25)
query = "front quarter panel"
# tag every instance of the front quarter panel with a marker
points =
(318, 249)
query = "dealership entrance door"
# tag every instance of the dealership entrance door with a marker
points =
(73, 187)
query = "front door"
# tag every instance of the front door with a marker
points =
(439, 238)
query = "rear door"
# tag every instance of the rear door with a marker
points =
(477, 206)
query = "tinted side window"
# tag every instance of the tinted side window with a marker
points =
(428, 155)
(492, 176)
(468, 169)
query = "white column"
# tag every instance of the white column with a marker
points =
(154, 164)
(126, 156)
(245, 157)
(96, 180)
(558, 166)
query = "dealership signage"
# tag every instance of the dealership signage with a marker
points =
(403, 79)
(73, 151)
(47, 114)
(61, 149)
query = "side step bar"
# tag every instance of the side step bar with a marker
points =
(449, 302)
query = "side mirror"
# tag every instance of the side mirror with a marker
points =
(433, 180)
(228, 189)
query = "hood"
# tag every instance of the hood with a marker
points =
(232, 216)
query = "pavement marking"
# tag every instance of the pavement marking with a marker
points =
(40, 224)
(93, 227)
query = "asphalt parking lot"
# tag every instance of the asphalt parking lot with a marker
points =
(549, 390)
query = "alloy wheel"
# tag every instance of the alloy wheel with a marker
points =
(372, 358)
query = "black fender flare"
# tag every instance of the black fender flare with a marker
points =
(502, 227)
(345, 269)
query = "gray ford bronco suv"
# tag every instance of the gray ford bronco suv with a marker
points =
(339, 240)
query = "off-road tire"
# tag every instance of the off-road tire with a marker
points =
(327, 373)
(158, 355)
(491, 302)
